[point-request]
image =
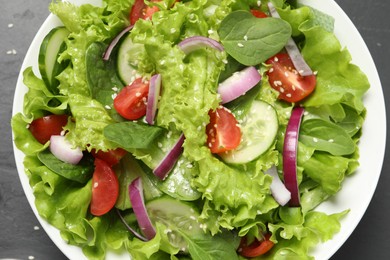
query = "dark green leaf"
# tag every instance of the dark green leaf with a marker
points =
(132, 135)
(250, 40)
(81, 172)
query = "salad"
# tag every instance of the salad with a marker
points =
(191, 129)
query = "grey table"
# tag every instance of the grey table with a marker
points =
(21, 236)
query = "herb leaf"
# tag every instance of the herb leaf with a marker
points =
(132, 135)
(251, 40)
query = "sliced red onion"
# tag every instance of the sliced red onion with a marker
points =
(292, 49)
(114, 42)
(138, 204)
(167, 163)
(238, 84)
(64, 151)
(280, 193)
(197, 42)
(290, 149)
(153, 95)
(135, 233)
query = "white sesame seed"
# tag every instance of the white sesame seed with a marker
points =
(10, 25)
(245, 37)
(107, 107)
(276, 59)
(315, 72)
(240, 45)
(138, 94)
(288, 95)
(36, 228)
(286, 74)
(259, 3)
(210, 31)
(95, 185)
(330, 140)
(31, 257)
(115, 89)
(173, 30)
(315, 140)
(281, 90)
(271, 70)
(301, 71)
(113, 96)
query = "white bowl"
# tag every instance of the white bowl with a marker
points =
(357, 190)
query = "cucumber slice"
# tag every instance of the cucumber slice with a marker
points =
(177, 216)
(127, 70)
(52, 46)
(259, 129)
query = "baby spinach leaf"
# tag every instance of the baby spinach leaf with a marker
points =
(101, 75)
(81, 172)
(251, 40)
(132, 135)
(326, 136)
(207, 248)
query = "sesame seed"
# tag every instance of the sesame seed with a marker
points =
(240, 45)
(330, 140)
(210, 31)
(315, 72)
(10, 25)
(115, 89)
(138, 94)
(315, 140)
(95, 185)
(271, 70)
(107, 107)
(281, 90)
(31, 257)
(293, 87)
(286, 74)
(245, 37)
(276, 59)
(113, 96)
(301, 71)
(36, 228)
(259, 3)
(288, 95)
(173, 30)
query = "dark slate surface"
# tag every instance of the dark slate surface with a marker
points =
(21, 236)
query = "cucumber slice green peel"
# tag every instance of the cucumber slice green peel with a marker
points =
(51, 47)
(259, 129)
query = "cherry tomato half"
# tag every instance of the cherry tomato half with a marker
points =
(142, 11)
(223, 132)
(111, 157)
(105, 188)
(284, 78)
(258, 13)
(256, 248)
(131, 100)
(43, 128)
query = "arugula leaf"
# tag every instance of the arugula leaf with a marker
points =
(132, 135)
(250, 40)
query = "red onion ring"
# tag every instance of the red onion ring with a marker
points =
(64, 151)
(191, 44)
(279, 191)
(238, 84)
(167, 163)
(153, 95)
(290, 148)
(114, 42)
(138, 204)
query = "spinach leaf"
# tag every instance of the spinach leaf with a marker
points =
(132, 135)
(326, 136)
(250, 40)
(102, 78)
(81, 172)
(208, 248)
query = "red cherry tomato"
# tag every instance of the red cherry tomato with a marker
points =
(105, 188)
(258, 13)
(223, 132)
(131, 100)
(111, 157)
(283, 77)
(142, 11)
(43, 128)
(256, 248)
